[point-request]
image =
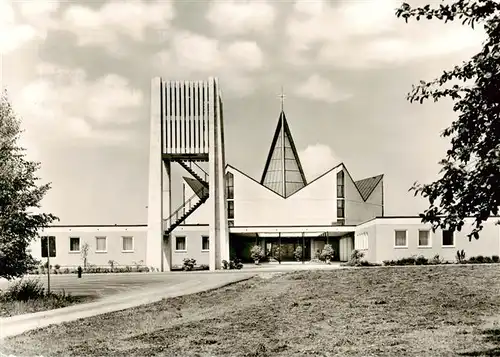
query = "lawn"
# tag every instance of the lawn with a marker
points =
(394, 311)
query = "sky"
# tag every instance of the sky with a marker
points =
(79, 73)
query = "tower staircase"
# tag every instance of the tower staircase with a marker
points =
(192, 203)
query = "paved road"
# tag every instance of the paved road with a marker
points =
(135, 290)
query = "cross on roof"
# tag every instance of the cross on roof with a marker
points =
(282, 97)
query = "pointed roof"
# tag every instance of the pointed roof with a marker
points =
(196, 186)
(283, 172)
(367, 185)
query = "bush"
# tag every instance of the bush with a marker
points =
(480, 259)
(257, 253)
(297, 253)
(24, 290)
(460, 256)
(495, 258)
(327, 253)
(188, 264)
(421, 260)
(355, 259)
(436, 260)
(232, 264)
(488, 260)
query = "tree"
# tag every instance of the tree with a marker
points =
(19, 193)
(469, 182)
(85, 254)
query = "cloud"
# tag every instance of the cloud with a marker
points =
(237, 17)
(12, 33)
(316, 160)
(361, 35)
(130, 18)
(321, 89)
(65, 105)
(193, 55)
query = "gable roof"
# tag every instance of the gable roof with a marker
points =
(367, 185)
(283, 171)
(196, 186)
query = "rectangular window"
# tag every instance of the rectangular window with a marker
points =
(205, 243)
(100, 244)
(400, 239)
(230, 209)
(424, 238)
(74, 244)
(448, 238)
(229, 186)
(340, 209)
(340, 184)
(180, 243)
(128, 244)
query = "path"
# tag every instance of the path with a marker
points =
(154, 287)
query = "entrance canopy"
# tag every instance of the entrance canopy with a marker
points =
(298, 231)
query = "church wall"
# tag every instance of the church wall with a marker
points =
(255, 205)
(114, 244)
(356, 209)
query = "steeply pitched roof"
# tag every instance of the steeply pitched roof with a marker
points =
(196, 186)
(283, 172)
(367, 185)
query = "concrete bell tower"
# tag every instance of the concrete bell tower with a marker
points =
(186, 128)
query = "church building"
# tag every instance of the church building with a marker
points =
(225, 212)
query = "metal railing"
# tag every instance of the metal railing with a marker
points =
(185, 208)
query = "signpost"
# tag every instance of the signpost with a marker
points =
(48, 251)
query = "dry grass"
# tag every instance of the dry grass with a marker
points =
(410, 311)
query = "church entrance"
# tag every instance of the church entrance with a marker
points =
(285, 250)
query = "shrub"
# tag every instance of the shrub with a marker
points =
(112, 263)
(188, 264)
(57, 266)
(298, 253)
(204, 267)
(24, 290)
(327, 253)
(480, 259)
(257, 253)
(460, 256)
(66, 271)
(232, 264)
(421, 260)
(495, 258)
(355, 259)
(436, 260)
(317, 254)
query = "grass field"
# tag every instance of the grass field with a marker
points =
(408, 311)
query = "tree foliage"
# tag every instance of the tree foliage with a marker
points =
(469, 182)
(19, 194)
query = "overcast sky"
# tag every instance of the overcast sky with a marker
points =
(79, 74)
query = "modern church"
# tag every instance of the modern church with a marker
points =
(225, 212)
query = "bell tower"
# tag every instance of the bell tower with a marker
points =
(186, 128)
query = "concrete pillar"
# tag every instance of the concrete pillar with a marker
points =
(219, 232)
(154, 246)
(167, 211)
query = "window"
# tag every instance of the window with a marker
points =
(448, 239)
(229, 186)
(340, 184)
(180, 243)
(340, 209)
(400, 239)
(74, 244)
(424, 238)
(230, 209)
(100, 244)
(128, 244)
(205, 243)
